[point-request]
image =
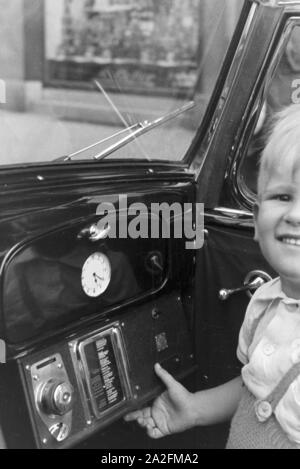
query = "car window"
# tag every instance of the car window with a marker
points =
(282, 89)
(77, 72)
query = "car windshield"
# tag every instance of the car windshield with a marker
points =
(75, 74)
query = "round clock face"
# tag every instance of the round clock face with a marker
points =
(96, 274)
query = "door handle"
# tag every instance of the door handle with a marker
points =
(253, 280)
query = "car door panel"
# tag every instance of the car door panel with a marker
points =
(229, 254)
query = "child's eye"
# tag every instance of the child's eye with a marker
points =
(281, 197)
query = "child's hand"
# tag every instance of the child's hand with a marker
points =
(171, 412)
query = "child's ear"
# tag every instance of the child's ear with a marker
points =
(255, 213)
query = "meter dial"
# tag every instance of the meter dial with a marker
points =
(96, 274)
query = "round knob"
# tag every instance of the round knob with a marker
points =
(56, 397)
(224, 294)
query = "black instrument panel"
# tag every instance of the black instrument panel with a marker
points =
(81, 360)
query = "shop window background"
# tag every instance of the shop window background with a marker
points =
(140, 46)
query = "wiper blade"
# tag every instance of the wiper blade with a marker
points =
(142, 128)
(103, 140)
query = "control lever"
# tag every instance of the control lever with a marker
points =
(253, 280)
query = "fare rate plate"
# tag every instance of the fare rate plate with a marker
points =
(105, 370)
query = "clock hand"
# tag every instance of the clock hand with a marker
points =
(97, 276)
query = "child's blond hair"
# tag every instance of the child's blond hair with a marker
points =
(282, 150)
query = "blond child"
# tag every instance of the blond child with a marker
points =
(265, 400)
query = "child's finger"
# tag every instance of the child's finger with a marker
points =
(166, 378)
(142, 422)
(136, 414)
(154, 432)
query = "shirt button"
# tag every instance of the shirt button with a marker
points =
(263, 410)
(296, 356)
(268, 349)
(291, 307)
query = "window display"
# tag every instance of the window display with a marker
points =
(127, 44)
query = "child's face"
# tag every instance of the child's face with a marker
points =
(277, 227)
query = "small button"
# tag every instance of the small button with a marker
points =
(268, 349)
(296, 356)
(291, 307)
(263, 410)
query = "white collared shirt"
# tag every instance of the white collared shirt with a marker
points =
(274, 349)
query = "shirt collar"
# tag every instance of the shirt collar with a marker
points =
(273, 290)
(270, 290)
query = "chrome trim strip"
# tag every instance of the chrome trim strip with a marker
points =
(78, 370)
(200, 158)
(276, 3)
(289, 3)
(230, 217)
(234, 213)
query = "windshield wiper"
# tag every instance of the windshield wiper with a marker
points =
(103, 140)
(142, 128)
(136, 130)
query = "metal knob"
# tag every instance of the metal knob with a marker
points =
(56, 398)
(253, 280)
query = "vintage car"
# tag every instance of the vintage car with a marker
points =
(92, 296)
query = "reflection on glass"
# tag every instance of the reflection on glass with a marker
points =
(282, 90)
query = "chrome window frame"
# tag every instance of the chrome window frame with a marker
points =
(240, 191)
(197, 161)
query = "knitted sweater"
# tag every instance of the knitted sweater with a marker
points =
(247, 432)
